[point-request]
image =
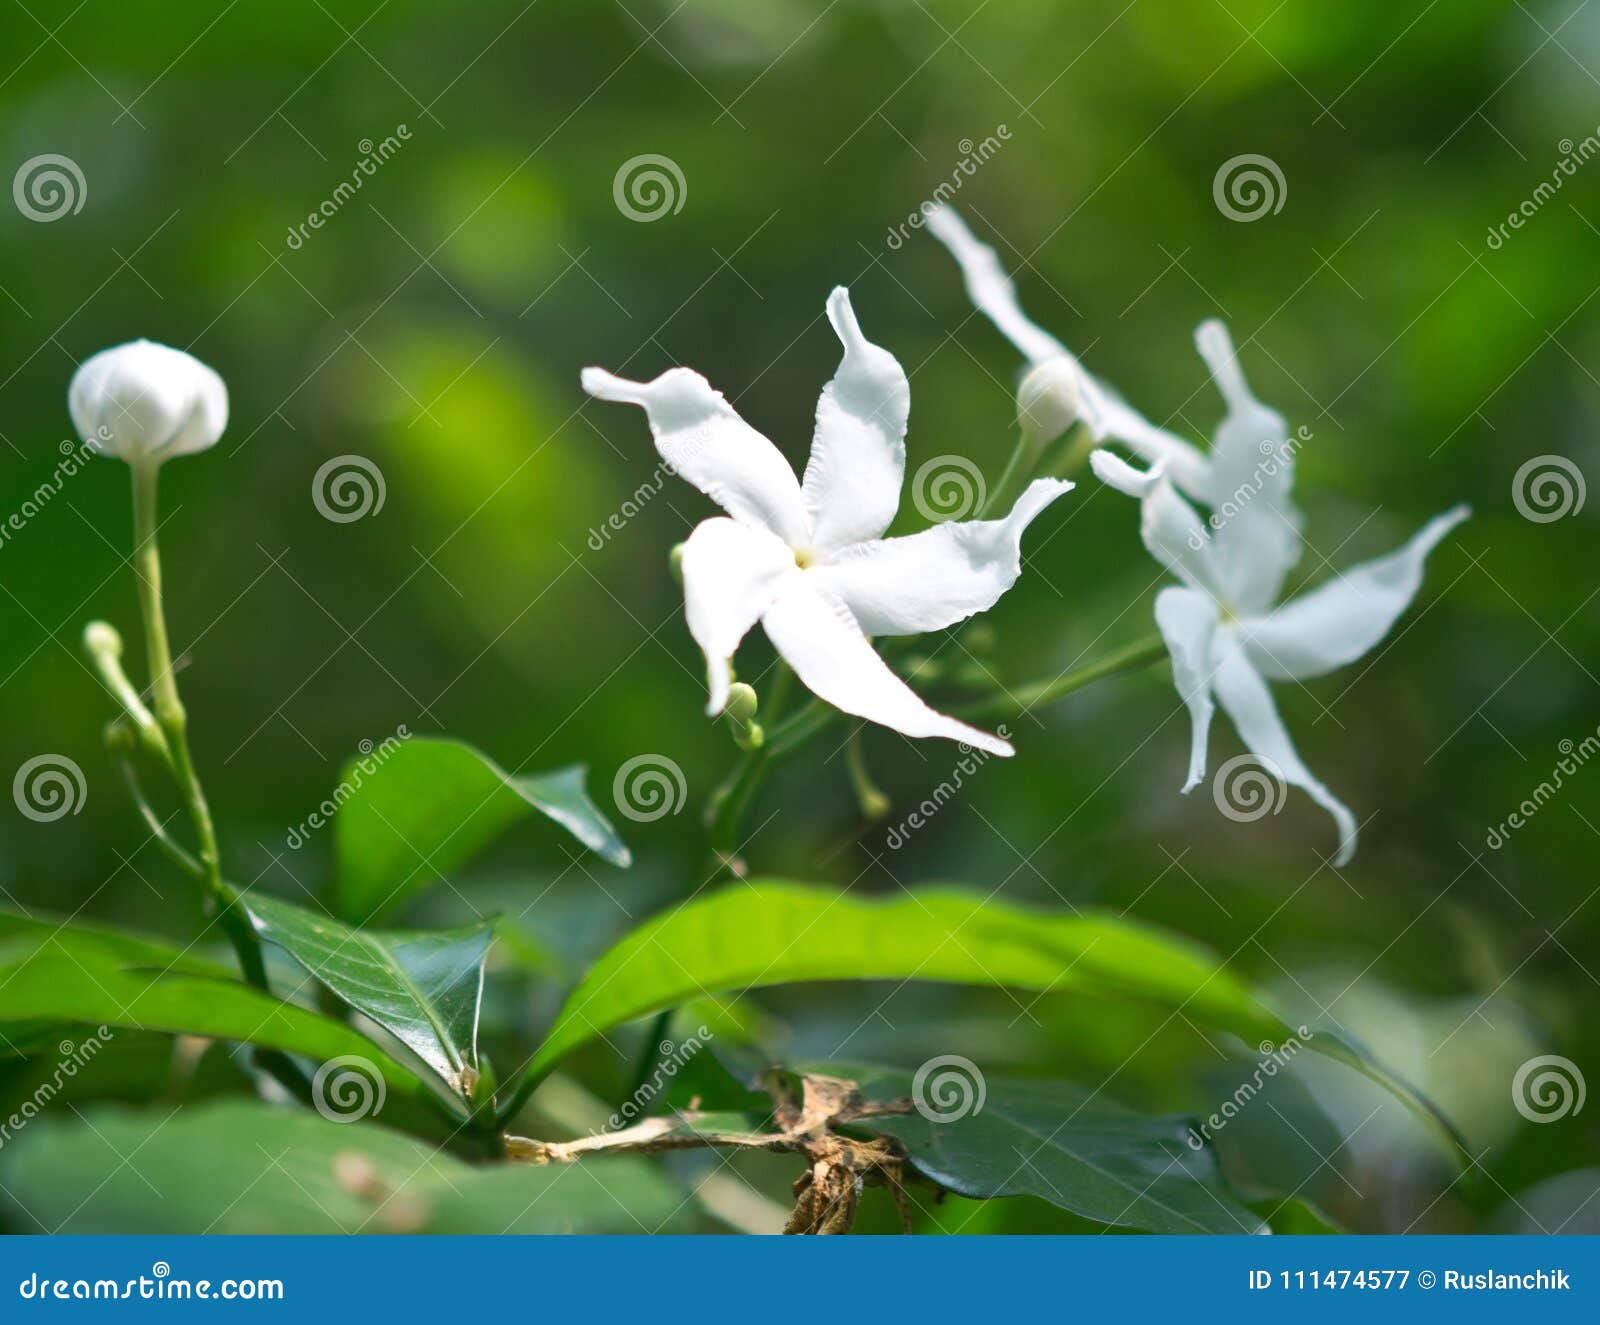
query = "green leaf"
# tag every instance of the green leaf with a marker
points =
(1059, 1142)
(58, 972)
(1295, 1215)
(423, 987)
(430, 805)
(769, 932)
(244, 1167)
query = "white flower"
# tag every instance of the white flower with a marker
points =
(1206, 478)
(142, 401)
(809, 560)
(1226, 638)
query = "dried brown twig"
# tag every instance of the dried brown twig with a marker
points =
(840, 1166)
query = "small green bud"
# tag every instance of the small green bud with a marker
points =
(675, 562)
(742, 702)
(741, 712)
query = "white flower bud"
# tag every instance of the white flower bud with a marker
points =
(1047, 401)
(143, 401)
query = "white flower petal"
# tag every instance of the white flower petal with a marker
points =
(1104, 412)
(731, 574)
(1339, 621)
(927, 581)
(1248, 487)
(1171, 529)
(1187, 620)
(817, 636)
(147, 401)
(992, 292)
(704, 440)
(1245, 698)
(858, 452)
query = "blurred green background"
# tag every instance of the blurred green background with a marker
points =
(436, 325)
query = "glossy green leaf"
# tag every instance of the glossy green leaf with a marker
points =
(423, 987)
(1059, 1142)
(63, 974)
(414, 815)
(244, 1167)
(768, 933)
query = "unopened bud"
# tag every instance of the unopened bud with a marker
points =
(1047, 401)
(741, 712)
(675, 562)
(103, 639)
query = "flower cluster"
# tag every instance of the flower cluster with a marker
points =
(809, 559)
(1225, 636)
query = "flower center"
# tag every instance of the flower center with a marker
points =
(804, 558)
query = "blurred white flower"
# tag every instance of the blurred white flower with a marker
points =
(1253, 432)
(808, 559)
(1227, 640)
(142, 401)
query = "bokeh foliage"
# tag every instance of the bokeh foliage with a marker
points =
(437, 324)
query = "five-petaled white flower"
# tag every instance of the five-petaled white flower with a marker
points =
(144, 402)
(1227, 640)
(808, 559)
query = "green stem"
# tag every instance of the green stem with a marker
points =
(169, 713)
(872, 802)
(1022, 699)
(158, 830)
(1064, 457)
(1019, 464)
(104, 645)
